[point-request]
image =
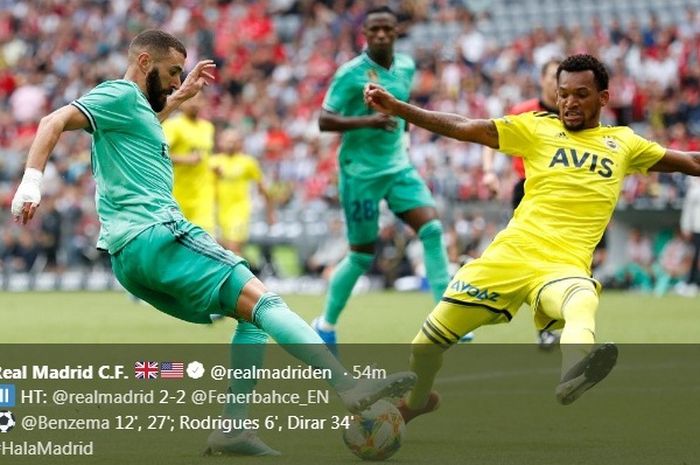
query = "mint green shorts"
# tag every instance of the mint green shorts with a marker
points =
(360, 198)
(179, 269)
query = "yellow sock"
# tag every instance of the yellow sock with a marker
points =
(443, 328)
(578, 335)
(575, 301)
(426, 360)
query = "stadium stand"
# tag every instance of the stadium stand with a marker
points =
(275, 59)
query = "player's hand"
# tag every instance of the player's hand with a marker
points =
(28, 196)
(199, 77)
(382, 121)
(377, 98)
(492, 183)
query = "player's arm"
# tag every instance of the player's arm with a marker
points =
(329, 121)
(28, 195)
(480, 131)
(193, 83)
(676, 160)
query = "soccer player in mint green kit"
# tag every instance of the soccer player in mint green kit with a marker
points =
(374, 165)
(157, 254)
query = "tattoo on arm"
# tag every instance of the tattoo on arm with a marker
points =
(491, 131)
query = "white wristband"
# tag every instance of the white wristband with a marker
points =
(33, 176)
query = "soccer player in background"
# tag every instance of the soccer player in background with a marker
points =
(157, 254)
(575, 170)
(374, 165)
(235, 173)
(191, 140)
(547, 101)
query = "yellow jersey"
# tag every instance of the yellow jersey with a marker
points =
(573, 181)
(192, 183)
(237, 173)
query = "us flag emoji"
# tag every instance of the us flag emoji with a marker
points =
(172, 370)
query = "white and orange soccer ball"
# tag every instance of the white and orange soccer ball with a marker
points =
(376, 433)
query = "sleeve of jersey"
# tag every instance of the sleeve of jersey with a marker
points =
(338, 93)
(644, 154)
(515, 133)
(106, 106)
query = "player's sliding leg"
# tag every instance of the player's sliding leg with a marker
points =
(343, 280)
(583, 366)
(445, 325)
(271, 314)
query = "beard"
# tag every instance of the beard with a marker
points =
(156, 95)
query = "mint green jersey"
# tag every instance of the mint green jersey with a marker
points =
(130, 162)
(369, 152)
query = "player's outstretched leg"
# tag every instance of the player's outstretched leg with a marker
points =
(586, 373)
(441, 329)
(289, 330)
(575, 301)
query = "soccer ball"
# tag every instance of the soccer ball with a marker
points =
(376, 433)
(7, 421)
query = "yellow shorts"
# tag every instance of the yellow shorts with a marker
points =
(234, 225)
(501, 281)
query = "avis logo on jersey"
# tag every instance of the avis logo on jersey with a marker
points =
(570, 158)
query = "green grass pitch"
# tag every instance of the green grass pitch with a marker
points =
(387, 317)
(498, 404)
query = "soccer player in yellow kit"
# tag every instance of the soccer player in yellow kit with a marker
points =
(235, 173)
(191, 140)
(575, 168)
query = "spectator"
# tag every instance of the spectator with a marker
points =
(636, 272)
(672, 266)
(690, 227)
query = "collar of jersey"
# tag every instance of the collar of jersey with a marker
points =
(367, 58)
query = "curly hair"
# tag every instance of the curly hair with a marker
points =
(585, 62)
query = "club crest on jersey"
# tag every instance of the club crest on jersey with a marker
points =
(610, 142)
(372, 75)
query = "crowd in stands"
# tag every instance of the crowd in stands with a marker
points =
(274, 61)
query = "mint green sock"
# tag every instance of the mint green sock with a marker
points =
(348, 271)
(247, 350)
(291, 332)
(435, 255)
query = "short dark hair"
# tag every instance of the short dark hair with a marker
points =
(380, 9)
(585, 62)
(156, 42)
